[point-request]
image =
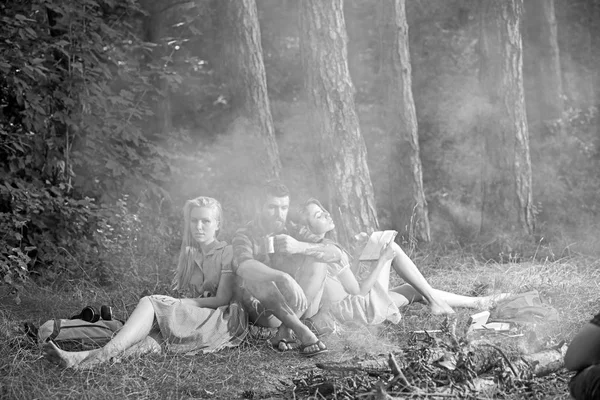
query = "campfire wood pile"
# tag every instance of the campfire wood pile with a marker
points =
(439, 365)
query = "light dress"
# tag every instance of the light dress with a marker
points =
(371, 309)
(188, 329)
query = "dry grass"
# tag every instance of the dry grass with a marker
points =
(255, 370)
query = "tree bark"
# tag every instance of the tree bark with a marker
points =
(593, 7)
(507, 201)
(153, 26)
(544, 58)
(408, 203)
(343, 155)
(242, 59)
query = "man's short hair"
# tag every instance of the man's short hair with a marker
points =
(274, 188)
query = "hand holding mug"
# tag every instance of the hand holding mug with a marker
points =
(285, 244)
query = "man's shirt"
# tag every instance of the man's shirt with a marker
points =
(251, 242)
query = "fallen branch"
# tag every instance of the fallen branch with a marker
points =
(545, 362)
(371, 367)
(541, 363)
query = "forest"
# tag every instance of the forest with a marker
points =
(469, 126)
(477, 131)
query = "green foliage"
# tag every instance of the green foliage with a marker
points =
(111, 114)
(132, 240)
(40, 226)
(77, 87)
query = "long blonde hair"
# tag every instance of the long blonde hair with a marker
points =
(189, 247)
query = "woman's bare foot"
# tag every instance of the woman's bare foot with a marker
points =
(439, 307)
(489, 302)
(65, 359)
(93, 360)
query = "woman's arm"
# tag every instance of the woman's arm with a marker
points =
(351, 285)
(222, 298)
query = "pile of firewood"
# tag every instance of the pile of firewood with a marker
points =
(438, 363)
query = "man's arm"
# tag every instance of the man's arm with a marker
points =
(324, 252)
(584, 349)
(245, 266)
(257, 271)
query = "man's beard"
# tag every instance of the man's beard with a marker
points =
(278, 224)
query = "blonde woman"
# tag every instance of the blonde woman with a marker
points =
(208, 321)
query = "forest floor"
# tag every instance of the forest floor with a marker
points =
(256, 371)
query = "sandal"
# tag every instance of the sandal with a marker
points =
(287, 344)
(261, 332)
(319, 332)
(321, 348)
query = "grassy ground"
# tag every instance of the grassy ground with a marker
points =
(255, 370)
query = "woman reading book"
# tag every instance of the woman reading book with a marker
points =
(371, 301)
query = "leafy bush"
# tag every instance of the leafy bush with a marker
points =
(77, 87)
(41, 226)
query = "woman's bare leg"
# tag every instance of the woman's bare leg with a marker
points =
(399, 299)
(408, 271)
(72, 359)
(452, 299)
(65, 359)
(137, 327)
(147, 345)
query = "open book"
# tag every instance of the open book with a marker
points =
(377, 241)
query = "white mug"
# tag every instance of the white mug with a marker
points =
(270, 245)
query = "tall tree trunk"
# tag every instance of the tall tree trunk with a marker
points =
(255, 147)
(242, 58)
(408, 203)
(544, 57)
(507, 188)
(343, 155)
(593, 7)
(152, 26)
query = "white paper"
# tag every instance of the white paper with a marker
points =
(377, 241)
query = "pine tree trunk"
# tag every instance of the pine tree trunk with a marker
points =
(593, 7)
(343, 156)
(507, 187)
(544, 57)
(242, 59)
(408, 203)
(153, 27)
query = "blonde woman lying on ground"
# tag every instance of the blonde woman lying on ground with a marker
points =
(208, 322)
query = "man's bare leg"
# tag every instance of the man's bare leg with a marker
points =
(291, 329)
(311, 278)
(137, 327)
(291, 324)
